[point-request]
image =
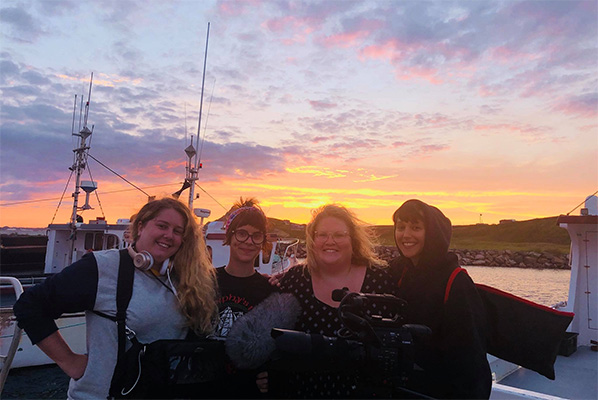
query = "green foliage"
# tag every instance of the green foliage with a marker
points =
(542, 230)
(539, 235)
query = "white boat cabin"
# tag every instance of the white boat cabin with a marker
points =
(65, 246)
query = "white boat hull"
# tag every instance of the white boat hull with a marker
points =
(72, 329)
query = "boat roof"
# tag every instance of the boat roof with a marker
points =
(577, 219)
(89, 227)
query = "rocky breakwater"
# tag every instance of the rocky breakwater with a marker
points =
(485, 258)
(496, 258)
(508, 258)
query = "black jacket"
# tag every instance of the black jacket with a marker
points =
(453, 357)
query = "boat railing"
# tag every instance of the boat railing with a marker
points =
(6, 359)
(289, 257)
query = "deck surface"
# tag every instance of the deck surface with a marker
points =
(44, 382)
(576, 377)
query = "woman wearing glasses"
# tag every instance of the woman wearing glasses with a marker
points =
(340, 253)
(241, 287)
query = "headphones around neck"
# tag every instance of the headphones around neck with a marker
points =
(144, 260)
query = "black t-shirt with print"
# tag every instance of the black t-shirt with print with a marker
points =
(238, 296)
(320, 318)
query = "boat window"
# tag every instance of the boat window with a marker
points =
(99, 241)
(111, 242)
(89, 241)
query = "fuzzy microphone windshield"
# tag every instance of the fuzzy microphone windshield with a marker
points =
(249, 343)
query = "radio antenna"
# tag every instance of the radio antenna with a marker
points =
(203, 79)
(191, 151)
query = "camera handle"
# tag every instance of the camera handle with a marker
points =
(359, 327)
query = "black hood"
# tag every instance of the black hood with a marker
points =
(438, 232)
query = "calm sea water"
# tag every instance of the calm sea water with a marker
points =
(543, 286)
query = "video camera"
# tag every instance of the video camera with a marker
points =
(379, 348)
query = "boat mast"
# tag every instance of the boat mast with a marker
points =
(194, 165)
(78, 167)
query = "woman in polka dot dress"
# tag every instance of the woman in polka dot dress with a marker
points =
(340, 253)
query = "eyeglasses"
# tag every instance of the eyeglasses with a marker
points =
(338, 236)
(256, 237)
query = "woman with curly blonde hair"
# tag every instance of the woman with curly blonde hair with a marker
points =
(173, 291)
(192, 272)
(362, 238)
(340, 254)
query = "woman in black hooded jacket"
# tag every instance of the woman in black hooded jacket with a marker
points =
(453, 357)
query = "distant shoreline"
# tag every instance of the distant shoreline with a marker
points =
(483, 258)
(488, 258)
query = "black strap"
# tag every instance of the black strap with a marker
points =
(124, 291)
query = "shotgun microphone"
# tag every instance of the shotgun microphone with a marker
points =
(249, 343)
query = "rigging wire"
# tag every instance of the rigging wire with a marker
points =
(117, 174)
(207, 117)
(103, 193)
(577, 206)
(211, 197)
(96, 193)
(203, 80)
(186, 124)
(62, 197)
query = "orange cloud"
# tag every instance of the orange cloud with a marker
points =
(316, 171)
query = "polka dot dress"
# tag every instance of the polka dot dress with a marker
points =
(320, 318)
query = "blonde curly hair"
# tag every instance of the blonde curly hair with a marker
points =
(192, 271)
(363, 240)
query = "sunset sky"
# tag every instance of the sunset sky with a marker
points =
(478, 107)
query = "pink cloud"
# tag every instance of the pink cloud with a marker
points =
(297, 39)
(344, 39)
(236, 8)
(532, 133)
(352, 38)
(426, 73)
(299, 27)
(356, 144)
(397, 52)
(319, 139)
(304, 25)
(590, 127)
(389, 50)
(488, 90)
(585, 105)
(506, 54)
(321, 105)
(502, 127)
(430, 148)
(435, 120)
